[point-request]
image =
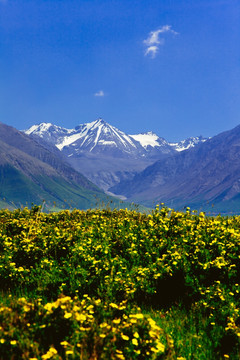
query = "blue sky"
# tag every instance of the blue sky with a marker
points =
(172, 67)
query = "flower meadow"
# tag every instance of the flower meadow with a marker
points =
(119, 284)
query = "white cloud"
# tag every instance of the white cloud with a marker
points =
(151, 50)
(99, 93)
(153, 41)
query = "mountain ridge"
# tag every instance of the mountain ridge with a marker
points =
(204, 175)
(144, 168)
(116, 155)
(62, 137)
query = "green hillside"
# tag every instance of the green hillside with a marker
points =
(31, 174)
(17, 190)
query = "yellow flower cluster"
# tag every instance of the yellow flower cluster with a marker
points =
(122, 258)
(117, 334)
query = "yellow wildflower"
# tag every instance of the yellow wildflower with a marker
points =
(135, 342)
(67, 315)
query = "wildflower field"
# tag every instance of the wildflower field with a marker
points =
(119, 284)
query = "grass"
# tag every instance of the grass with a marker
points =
(17, 189)
(119, 284)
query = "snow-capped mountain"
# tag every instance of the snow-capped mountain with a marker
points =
(100, 137)
(104, 153)
(188, 143)
(49, 132)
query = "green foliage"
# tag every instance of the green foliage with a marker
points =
(77, 329)
(159, 286)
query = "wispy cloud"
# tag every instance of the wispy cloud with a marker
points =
(99, 93)
(154, 40)
(151, 50)
(3, 1)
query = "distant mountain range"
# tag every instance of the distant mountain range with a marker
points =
(105, 154)
(204, 177)
(31, 173)
(67, 167)
(145, 168)
(101, 137)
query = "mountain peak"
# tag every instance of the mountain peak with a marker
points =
(100, 121)
(48, 131)
(38, 128)
(99, 136)
(188, 143)
(104, 153)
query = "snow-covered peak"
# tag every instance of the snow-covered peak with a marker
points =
(99, 137)
(49, 132)
(95, 136)
(99, 132)
(188, 143)
(39, 129)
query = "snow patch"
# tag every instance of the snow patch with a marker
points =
(106, 142)
(147, 139)
(99, 129)
(68, 140)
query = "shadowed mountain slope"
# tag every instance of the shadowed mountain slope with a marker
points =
(30, 173)
(199, 177)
